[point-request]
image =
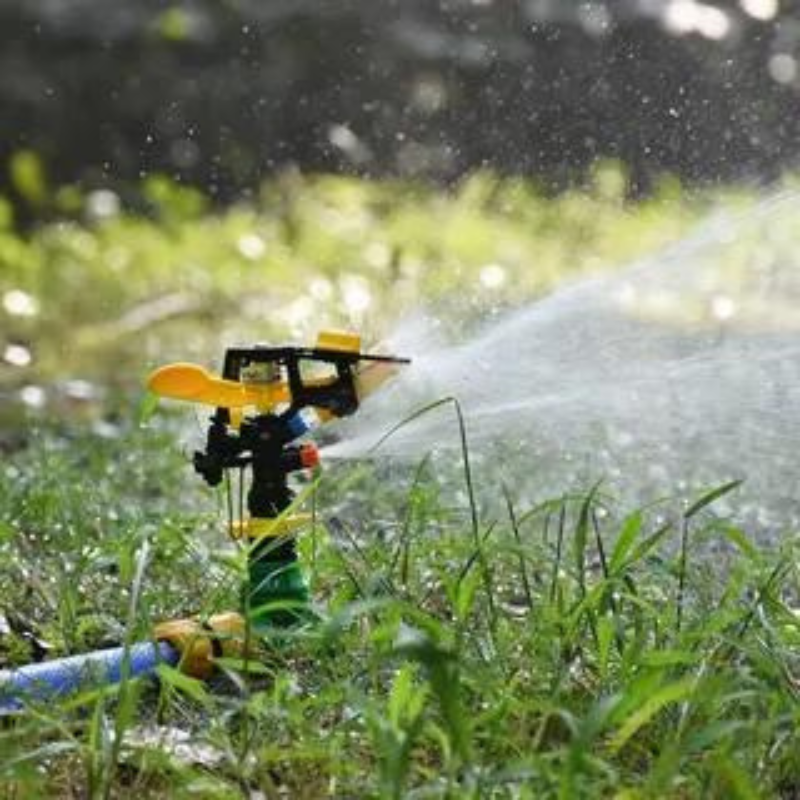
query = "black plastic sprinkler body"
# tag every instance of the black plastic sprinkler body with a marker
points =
(276, 592)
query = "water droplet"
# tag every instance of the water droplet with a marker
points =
(33, 396)
(17, 355)
(102, 204)
(20, 304)
(783, 68)
(722, 307)
(251, 246)
(760, 9)
(492, 276)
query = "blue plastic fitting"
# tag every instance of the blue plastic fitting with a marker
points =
(298, 425)
(64, 676)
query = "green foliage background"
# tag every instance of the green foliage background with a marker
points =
(116, 293)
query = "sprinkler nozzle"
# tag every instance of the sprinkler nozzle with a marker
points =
(309, 456)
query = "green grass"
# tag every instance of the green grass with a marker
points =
(563, 650)
(571, 649)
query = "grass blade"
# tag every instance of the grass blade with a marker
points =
(711, 497)
(631, 528)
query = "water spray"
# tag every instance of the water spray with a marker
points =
(676, 374)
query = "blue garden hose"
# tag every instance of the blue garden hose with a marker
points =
(64, 676)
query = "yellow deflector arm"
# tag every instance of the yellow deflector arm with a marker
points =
(196, 385)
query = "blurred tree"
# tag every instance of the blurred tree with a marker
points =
(221, 93)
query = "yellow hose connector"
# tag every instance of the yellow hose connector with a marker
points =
(200, 643)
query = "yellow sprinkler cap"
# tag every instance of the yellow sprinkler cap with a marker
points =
(343, 341)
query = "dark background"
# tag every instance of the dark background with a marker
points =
(223, 93)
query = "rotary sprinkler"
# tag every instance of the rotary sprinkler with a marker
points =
(263, 402)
